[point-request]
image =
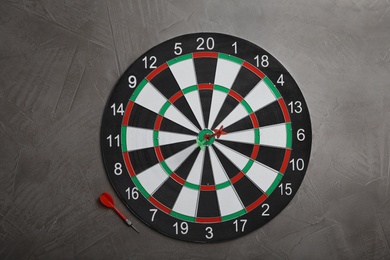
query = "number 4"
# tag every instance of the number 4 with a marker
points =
(280, 80)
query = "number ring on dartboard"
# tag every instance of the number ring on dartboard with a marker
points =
(206, 137)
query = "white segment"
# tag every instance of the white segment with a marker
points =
(218, 171)
(226, 72)
(138, 138)
(238, 159)
(260, 96)
(170, 138)
(216, 103)
(184, 73)
(261, 175)
(195, 174)
(173, 114)
(150, 98)
(186, 202)
(194, 102)
(228, 201)
(274, 135)
(238, 113)
(152, 178)
(245, 136)
(175, 160)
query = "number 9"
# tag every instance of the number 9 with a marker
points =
(132, 81)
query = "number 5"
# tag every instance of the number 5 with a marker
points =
(178, 50)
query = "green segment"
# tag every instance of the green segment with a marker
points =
(234, 215)
(272, 87)
(274, 184)
(164, 108)
(140, 187)
(166, 167)
(221, 88)
(247, 106)
(231, 58)
(138, 89)
(289, 135)
(190, 89)
(182, 217)
(192, 186)
(257, 135)
(123, 138)
(202, 141)
(155, 138)
(180, 58)
(222, 185)
(247, 166)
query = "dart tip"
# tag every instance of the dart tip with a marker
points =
(129, 223)
(136, 230)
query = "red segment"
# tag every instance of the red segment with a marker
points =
(159, 205)
(128, 164)
(208, 220)
(255, 152)
(253, 69)
(285, 161)
(157, 124)
(177, 178)
(175, 97)
(156, 71)
(237, 177)
(157, 149)
(283, 106)
(205, 86)
(256, 203)
(207, 187)
(255, 123)
(235, 95)
(205, 54)
(126, 116)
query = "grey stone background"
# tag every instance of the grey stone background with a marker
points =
(59, 60)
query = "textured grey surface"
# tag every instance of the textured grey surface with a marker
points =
(59, 61)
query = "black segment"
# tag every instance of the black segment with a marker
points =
(143, 159)
(166, 83)
(208, 205)
(170, 126)
(170, 149)
(205, 69)
(270, 115)
(247, 191)
(168, 192)
(142, 117)
(271, 156)
(184, 107)
(206, 98)
(243, 148)
(245, 81)
(207, 176)
(242, 124)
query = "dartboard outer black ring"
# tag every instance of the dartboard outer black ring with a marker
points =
(162, 152)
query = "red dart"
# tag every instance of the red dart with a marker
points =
(108, 201)
(217, 133)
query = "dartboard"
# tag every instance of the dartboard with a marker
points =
(206, 137)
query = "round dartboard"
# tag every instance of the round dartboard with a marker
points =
(206, 137)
